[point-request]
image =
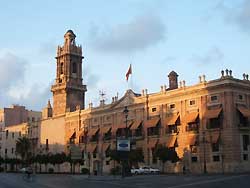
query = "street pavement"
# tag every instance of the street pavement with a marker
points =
(144, 181)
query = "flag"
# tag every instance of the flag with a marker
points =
(128, 72)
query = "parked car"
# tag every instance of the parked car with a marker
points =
(134, 171)
(26, 170)
(154, 170)
(144, 170)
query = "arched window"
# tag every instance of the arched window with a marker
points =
(74, 68)
(61, 68)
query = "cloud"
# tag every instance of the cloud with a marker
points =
(47, 48)
(90, 79)
(12, 71)
(214, 55)
(13, 89)
(139, 34)
(238, 14)
(36, 98)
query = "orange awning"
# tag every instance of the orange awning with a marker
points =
(106, 146)
(215, 137)
(192, 140)
(212, 113)
(93, 131)
(152, 143)
(244, 111)
(171, 120)
(151, 122)
(105, 129)
(83, 133)
(191, 117)
(73, 135)
(171, 141)
(91, 148)
(136, 124)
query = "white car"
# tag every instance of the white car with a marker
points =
(144, 170)
(154, 170)
(26, 169)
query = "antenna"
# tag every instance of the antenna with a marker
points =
(102, 95)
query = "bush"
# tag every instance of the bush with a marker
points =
(1, 169)
(51, 170)
(115, 171)
(85, 171)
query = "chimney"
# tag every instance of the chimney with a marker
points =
(173, 80)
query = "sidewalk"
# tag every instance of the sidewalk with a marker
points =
(97, 178)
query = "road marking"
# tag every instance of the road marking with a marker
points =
(207, 181)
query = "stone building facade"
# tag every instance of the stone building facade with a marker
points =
(207, 124)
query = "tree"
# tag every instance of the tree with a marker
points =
(135, 156)
(166, 154)
(39, 160)
(23, 147)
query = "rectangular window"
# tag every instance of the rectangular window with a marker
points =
(153, 109)
(13, 135)
(6, 151)
(61, 68)
(192, 102)
(215, 147)
(245, 157)
(172, 106)
(12, 150)
(216, 158)
(94, 155)
(214, 98)
(194, 159)
(74, 68)
(214, 123)
(20, 134)
(245, 142)
(47, 144)
(240, 97)
(7, 134)
(107, 162)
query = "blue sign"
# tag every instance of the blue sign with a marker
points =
(123, 145)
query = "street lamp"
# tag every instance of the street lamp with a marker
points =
(125, 112)
(204, 153)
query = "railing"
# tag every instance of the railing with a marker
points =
(244, 126)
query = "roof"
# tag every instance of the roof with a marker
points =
(173, 73)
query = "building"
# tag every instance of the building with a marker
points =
(15, 122)
(207, 123)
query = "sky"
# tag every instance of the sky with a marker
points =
(191, 37)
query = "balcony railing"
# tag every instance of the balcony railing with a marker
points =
(244, 126)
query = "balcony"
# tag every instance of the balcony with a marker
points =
(245, 126)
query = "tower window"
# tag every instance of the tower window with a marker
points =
(172, 106)
(192, 102)
(74, 68)
(61, 68)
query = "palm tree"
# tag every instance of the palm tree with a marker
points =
(23, 147)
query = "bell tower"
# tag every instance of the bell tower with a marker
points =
(68, 90)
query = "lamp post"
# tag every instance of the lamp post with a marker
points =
(125, 112)
(204, 153)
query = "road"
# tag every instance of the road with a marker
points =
(147, 181)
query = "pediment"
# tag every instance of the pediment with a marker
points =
(126, 100)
